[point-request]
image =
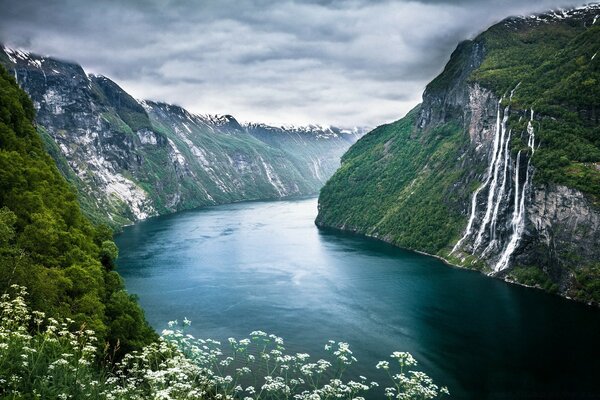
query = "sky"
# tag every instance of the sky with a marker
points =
(345, 63)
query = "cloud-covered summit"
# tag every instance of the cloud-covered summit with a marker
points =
(348, 62)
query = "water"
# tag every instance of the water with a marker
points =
(264, 265)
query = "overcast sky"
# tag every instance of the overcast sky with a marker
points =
(346, 63)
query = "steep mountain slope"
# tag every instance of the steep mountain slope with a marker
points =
(308, 144)
(47, 245)
(132, 159)
(499, 168)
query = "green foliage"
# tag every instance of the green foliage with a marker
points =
(559, 78)
(587, 284)
(393, 184)
(533, 276)
(46, 243)
(109, 253)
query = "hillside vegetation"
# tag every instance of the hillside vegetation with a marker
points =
(555, 67)
(48, 245)
(395, 198)
(411, 182)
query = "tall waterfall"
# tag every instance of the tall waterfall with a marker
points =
(502, 188)
(518, 217)
(498, 175)
(493, 197)
(485, 184)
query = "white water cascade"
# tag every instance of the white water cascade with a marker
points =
(502, 188)
(497, 180)
(493, 197)
(518, 217)
(480, 188)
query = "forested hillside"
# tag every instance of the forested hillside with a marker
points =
(48, 245)
(131, 159)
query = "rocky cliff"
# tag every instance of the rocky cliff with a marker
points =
(132, 159)
(497, 169)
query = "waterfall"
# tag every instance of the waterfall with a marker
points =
(518, 217)
(516, 206)
(502, 189)
(518, 225)
(498, 176)
(512, 92)
(480, 188)
(471, 219)
(493, 197)
(530, 131)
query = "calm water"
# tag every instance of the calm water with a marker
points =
(264, 265)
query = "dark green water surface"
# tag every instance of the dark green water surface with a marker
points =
(264, 266)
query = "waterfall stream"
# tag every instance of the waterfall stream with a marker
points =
(493, 197)
(480, 188)
(498, 175)
(518, 218)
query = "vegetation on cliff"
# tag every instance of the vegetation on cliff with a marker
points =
(48, 245)
(555, 65)
(411, 182)
(382, 188)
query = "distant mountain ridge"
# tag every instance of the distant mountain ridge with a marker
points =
(131, 159)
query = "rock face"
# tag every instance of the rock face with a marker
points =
(562, 231)
(132, 159)
(472, 173)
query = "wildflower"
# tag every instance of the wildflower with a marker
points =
(383, 365)
(405, 359)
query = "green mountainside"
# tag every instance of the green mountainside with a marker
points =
(513, 119)
(47, 244)
(131, 159)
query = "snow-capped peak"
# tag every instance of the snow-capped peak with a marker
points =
(585, 12)
(16, 55)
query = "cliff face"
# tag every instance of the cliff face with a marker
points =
(501, 156)
(132, 159)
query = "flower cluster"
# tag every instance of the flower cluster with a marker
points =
(408, 385)
(41, 357)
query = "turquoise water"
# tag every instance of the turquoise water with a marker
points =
(264, 266)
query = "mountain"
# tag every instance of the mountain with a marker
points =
(498, 169)
(49, 246)
(131, 159)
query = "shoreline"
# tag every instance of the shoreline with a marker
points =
(452, 265)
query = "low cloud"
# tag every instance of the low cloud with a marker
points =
(354, 62)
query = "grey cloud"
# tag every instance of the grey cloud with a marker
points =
(347, 62)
